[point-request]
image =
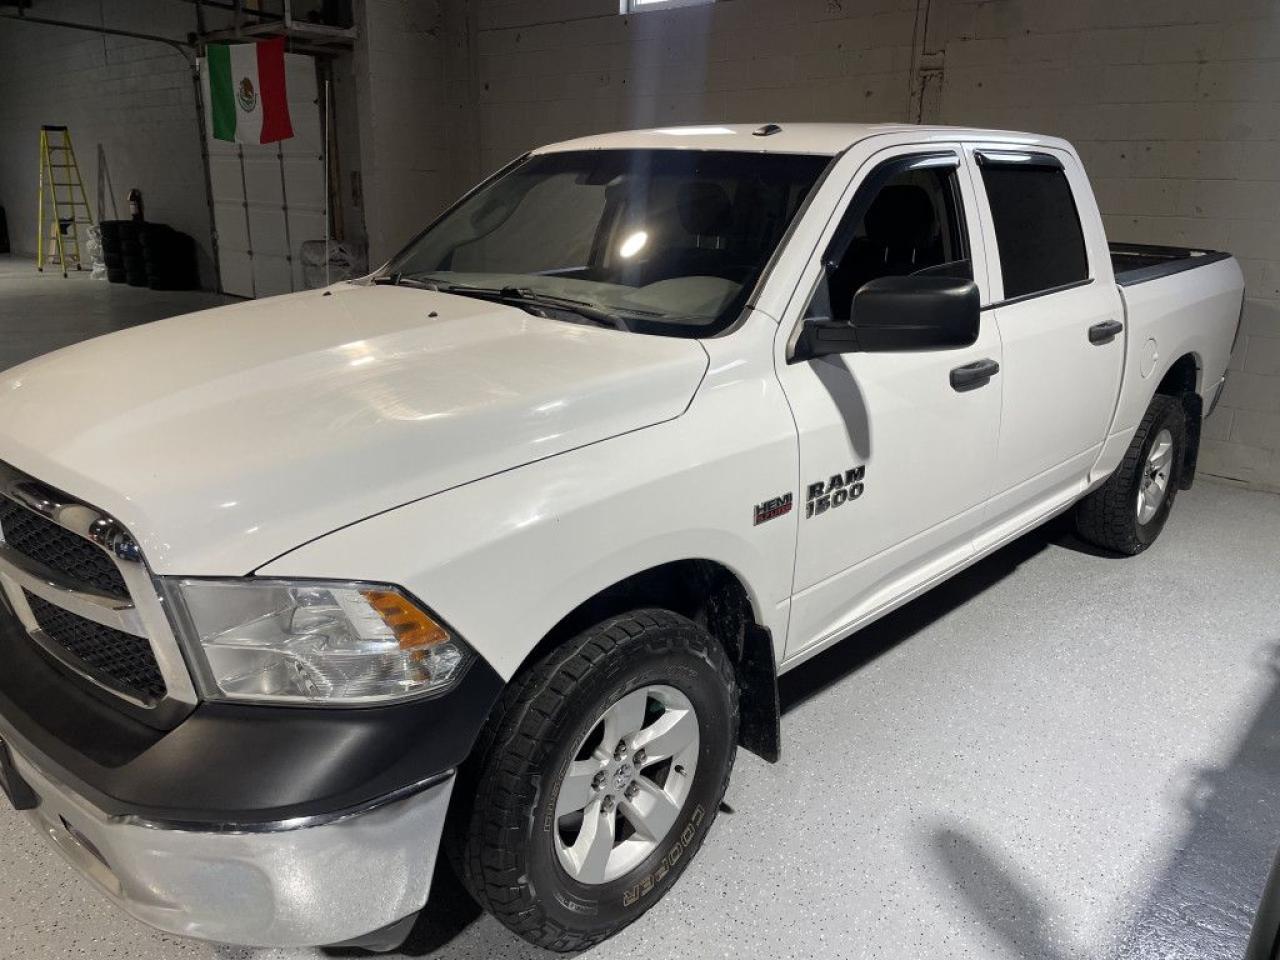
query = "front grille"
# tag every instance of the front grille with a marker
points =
(42, 540)
(120, 659)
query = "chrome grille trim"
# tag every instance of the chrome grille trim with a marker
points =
(50, 585)
(27, 617)
(77, 560)
(144, 616)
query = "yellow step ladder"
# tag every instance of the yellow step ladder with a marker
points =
(68, 207)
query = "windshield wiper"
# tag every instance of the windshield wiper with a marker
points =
(524, 297)
(613, 318)
(400, 280)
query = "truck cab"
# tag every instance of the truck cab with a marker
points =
(498, 553)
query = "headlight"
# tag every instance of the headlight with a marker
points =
(315, 641)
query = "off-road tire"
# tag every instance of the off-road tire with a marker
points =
(1108, 517)
(501, 840)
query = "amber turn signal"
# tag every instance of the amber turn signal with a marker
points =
(413, 628)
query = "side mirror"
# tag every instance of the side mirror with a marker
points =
(897, 314)
(916, 313)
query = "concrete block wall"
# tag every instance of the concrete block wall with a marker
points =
(1172, 103)
(563, 68)
(1175, 107)
(413, 80)
(133, 97)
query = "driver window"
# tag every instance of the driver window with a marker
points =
(914, 225)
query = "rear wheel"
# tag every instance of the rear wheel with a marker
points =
(1127, 513)
(598, 778)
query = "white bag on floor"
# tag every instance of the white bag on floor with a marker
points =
(346, 261)
(93, 247)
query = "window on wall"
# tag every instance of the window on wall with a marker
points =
(1036, 223)
(639, 6)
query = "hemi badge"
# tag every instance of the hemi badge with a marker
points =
(770, 509)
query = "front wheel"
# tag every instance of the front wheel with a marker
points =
(598, 778)
(1127, 513)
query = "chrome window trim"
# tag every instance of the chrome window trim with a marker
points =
(145, 616)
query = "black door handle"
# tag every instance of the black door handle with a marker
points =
(973, 375)
(1105, 332)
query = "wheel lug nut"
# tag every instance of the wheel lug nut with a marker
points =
(632, 790)
(598, 780)
(621, 750)
(606, 805)
(639, 758)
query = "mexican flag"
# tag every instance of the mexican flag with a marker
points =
(244, 86)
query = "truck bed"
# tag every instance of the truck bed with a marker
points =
(1140, 262)
(1172, 311)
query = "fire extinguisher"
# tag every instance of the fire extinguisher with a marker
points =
(135, 204)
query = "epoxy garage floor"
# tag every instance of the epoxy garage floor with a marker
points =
(1055, 755)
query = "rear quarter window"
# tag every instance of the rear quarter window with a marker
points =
(1037, 227)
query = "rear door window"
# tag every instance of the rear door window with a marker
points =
(1036, 223)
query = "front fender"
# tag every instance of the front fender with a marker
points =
(505, 558)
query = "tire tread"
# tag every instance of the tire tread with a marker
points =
(1106, 517)
(484, 854)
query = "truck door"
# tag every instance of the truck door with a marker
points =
(895, 462)
(1060, 320)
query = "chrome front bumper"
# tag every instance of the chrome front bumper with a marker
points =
(294, 883)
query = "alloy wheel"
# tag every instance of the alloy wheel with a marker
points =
(1154, 484)
(622, 793)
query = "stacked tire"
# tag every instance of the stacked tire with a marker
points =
(151, 255)
(135, 268)
(112, 254)
(169, 258)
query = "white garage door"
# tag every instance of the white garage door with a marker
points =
(269, 198)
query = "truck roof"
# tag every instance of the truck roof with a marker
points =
(813, 138)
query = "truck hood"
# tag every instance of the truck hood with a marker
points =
(224, 438)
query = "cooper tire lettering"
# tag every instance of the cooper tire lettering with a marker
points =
(669, 859)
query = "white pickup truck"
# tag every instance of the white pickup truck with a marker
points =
(500, 550)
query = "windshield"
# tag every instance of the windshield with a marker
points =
(666, 241)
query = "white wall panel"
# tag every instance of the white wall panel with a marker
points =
(269, 198)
